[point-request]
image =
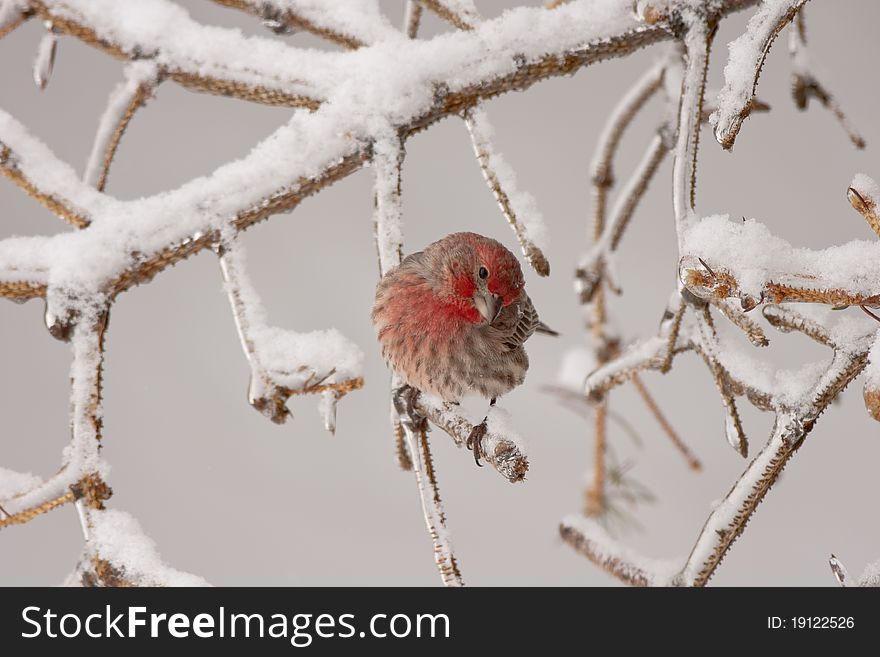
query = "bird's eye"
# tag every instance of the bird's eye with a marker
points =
(484, 273)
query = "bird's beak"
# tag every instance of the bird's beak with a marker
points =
(488, 305)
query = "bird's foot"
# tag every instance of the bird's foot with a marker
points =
(475, 441)
(404, 400)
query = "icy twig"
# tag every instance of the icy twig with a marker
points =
(412, 18)
(697, 43)
(119, 554)
(871, 576)
(728, 520)
(501, 448)
(140, 80)
(747, 55)
(805, 85)
(594, 267)
(594, 496)
(388, 157)
(284, 363)
(518, 207)
(591, 270)
(708, 343)
(590, 539)
(786, 320)
(237, 66)
(432, 505)
(741, 320)
(80, 476)
(351, 25)
(388, 235)
(691, 459)
(30, 164)
(459, 13)
(642, 355)
(12, 14)
(744, 260)
(863, 194)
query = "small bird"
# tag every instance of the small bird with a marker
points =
(452, 319)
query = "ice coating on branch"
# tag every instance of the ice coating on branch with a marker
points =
(746, 55)
(361, 20)
(518, 207)
(117, 537)
(390, 81)
(290, 359)
(617, 558)
(10, 10)
(867, 187)
(388, 219)
(49, 174)
(871, 575)
(755, 256)
(164, 31)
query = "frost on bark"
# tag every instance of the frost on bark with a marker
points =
(357, 109)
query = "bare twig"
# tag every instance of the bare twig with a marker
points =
(590, 539)
(749, 51)
(692, 461)
(516, 206)
(805, 85)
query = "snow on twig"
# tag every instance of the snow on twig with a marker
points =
(592, 540)
(745, 61)
(132, 93)
(519, 208)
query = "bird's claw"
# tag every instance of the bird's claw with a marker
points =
(404, 400)
(475, 441)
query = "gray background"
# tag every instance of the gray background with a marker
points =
(231, 497)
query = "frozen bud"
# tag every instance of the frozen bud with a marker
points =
(862, 194)
(268, 400)
(60, 326)
(871, 394)
(871, 391)
(651, 11)
(838, 570)
(861, 204)
(748, 302)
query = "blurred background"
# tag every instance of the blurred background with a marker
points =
(231, 497)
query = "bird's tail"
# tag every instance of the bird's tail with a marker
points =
(546, 330)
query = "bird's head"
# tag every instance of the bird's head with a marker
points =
(476, 274)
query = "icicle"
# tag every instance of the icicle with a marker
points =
(45, 60)
(731, 432)
(59, 328)
(839, 570)
(327, 409)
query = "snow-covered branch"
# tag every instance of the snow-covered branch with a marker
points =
(285, 363)
(124, 101)
(501, 446)
(351, 24)
(744, 65)
(590, 539)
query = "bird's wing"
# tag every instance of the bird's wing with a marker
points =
(517, 322)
